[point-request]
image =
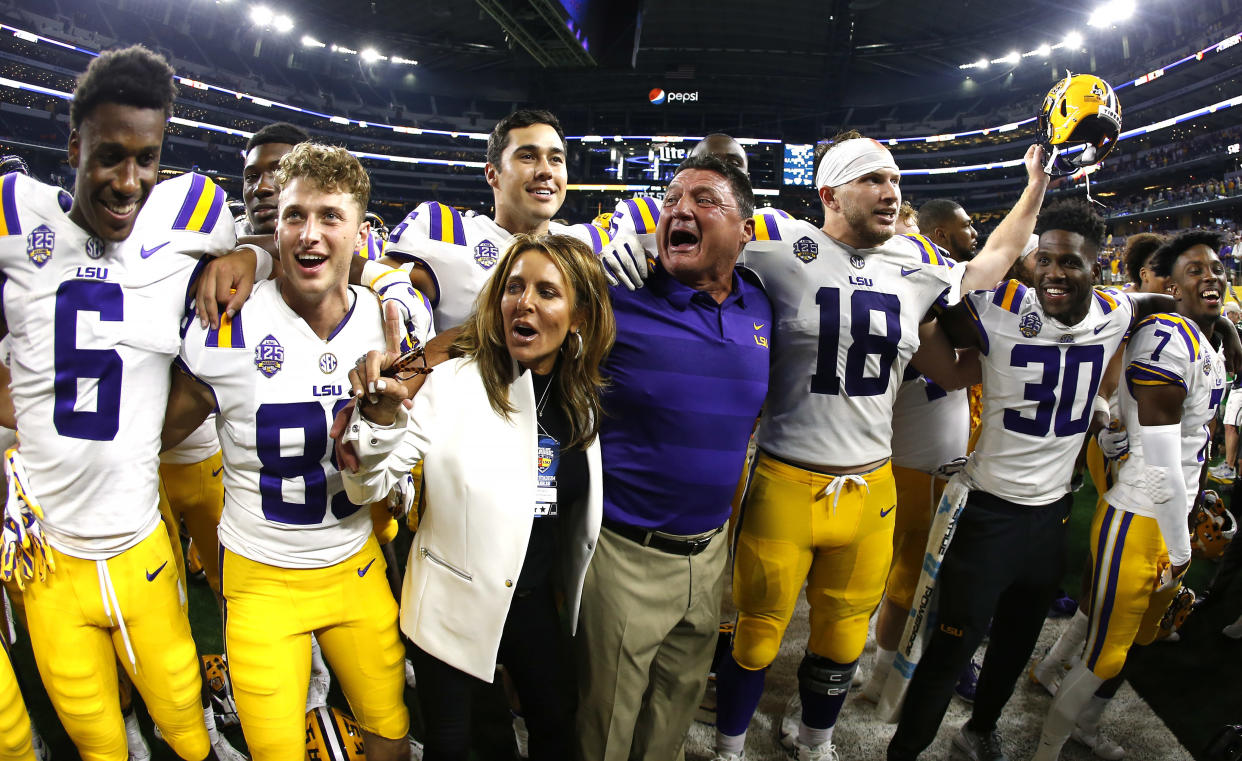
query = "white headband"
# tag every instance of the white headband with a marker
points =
(850, 159)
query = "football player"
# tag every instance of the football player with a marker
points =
(300, 558)
(1104, 454)
(819, 507)
(931, 427)
(450, 255)
(97, 287)
(1044, 350)
(946, 223)
(1174, 380)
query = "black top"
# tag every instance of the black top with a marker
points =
(570, 467)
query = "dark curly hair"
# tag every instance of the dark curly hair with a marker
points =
(1139, 249)
(1166, 256)
(1073, 216)
(132, 76)
(525, 117)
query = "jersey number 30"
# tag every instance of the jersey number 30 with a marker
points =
(1045, 393)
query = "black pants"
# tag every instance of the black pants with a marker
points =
(537, 656)
(1005, 564)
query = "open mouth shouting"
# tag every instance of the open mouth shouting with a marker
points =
(310, 262)
(683, 238)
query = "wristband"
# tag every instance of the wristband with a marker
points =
(262, 261)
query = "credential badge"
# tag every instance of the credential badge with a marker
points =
(1030, 325)
(269, 356)
(39, 245)
(806, 249)
(486, 254)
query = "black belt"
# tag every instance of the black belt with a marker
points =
(659, 541)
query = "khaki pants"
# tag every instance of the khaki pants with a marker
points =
(649, 622)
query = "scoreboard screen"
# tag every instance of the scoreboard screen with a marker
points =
(799, 164)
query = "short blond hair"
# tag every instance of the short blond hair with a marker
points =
(331, 169)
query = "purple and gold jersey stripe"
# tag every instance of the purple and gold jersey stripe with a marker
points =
(1142, 374)
(929, 251)
(201, 207)
(599, 237)
(1010, 296)
(371, 248)
(9, 223)
(1107, 301)
(1178, 324)
(644, 213)
(445, 224)
(766, 227)
(229, 335)
(974, 316)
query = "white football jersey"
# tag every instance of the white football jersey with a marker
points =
(94, 327)
(277, 387)
(1168, 349)
(198, 446)
(931, 426)
(846, 326)
(459, 251)
(1040, 379)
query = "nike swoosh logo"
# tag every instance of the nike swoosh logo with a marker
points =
(363, 571)
(148, 251)
(152, 574)
(758, 325)
(908, 271)
(884, 513)
(216, 472)
(1097, 330)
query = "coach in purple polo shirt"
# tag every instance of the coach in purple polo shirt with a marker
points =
(689, 372)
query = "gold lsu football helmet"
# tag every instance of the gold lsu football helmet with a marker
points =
(1080, 110)
(333, 735)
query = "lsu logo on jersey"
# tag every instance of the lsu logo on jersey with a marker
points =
(806, 249)
(486, 254)
(39, 245)
(1030, 325)
(269, 356)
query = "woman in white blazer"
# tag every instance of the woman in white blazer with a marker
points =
(506, 430)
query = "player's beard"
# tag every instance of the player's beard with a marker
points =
(861, 223)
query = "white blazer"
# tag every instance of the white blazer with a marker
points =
(479, 479)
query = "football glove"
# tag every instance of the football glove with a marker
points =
(625, 261)
(26, 554)
(394, 285)
(1114, 441)
(950, 468)
(402, 496)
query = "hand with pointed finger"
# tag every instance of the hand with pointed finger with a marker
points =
(378, 391)
(625, 261)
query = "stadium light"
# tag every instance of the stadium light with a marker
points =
(282, 24)
(261, 15)
(982, 63)
(371, 55)
(1012, 58)
(1044, 50)
(1073, 40)
(311, 42)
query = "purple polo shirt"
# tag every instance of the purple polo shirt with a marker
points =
(688, 377)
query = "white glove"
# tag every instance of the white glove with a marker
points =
(401, 497)
(25, 554)
(1114, 442)
(1167, 580)
(625, 261)
(394, 285)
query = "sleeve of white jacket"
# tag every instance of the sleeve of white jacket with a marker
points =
(1162, 460)
(386, 453)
